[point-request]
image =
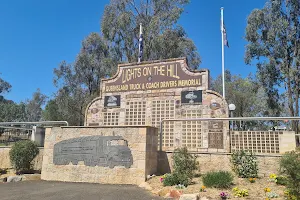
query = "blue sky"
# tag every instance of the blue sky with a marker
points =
(37, 35)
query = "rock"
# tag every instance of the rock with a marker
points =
(150, 176)
(163, 192)
(31, 177)
(3, 180)
(145, 185)
(189, 197)
(14, 179)
(204, 198)
(175, 194)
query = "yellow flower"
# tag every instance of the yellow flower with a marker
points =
(203, 187)
(267, 190)
(273, 176)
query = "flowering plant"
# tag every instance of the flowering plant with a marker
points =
(180, 186)
(163, 177)
(252, 180)
(202, 189)
(223, 195)
(271, 195)
(240, 192)
(289, 196)
(273, 177)
(267, 189)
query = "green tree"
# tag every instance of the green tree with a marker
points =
(4, 86)
(51, 112)
(273, 33)
(163, 37)
(243, 92)
(12, 112)
(248, 96)
(93, 63)
(72, 96)
(33, 107)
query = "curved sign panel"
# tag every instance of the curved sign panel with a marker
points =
(106, 151)
(152, 77)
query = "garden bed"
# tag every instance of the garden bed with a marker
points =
(255, 190)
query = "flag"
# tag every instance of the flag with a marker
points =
(225, 36)
(140, 44)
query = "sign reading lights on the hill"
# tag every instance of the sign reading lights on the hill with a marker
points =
(151, 77)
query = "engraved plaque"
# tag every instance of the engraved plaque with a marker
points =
(215, 134)
(106, 151)
(112, 101)
(191, 97)
(95, 110)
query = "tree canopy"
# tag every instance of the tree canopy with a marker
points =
(163, 37)
(273, 35)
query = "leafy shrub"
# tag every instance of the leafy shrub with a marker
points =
(220, 179)
(240, 192)
(289, 196)
(244, 164)
(22, 153)
(169, 180)
(281, 180)
(184, 166)
(290, 167)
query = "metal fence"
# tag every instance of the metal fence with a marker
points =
(9, 136)
(11, 132)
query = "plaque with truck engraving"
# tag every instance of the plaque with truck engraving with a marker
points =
(106, 151)
(191, 97)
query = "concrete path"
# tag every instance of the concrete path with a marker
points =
(44, 190)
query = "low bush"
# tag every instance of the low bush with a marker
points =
(220, 179)
(184, 166)
(281, 180)
(290, 167)
(22, 153)
(244, 164)
(169, 180)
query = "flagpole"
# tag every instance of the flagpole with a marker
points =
(223, 71)
(141, 32)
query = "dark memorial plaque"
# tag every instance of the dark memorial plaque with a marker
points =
(112, 101)
(106, 151)
(215, 134)
(191, 97)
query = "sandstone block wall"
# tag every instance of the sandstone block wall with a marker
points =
(267, 164)
(141, 141)
(5, 161)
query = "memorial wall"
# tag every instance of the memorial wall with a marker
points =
(142, 94)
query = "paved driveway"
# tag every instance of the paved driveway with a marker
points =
(44, 190)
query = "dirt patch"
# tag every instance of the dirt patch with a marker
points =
(256, 190)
